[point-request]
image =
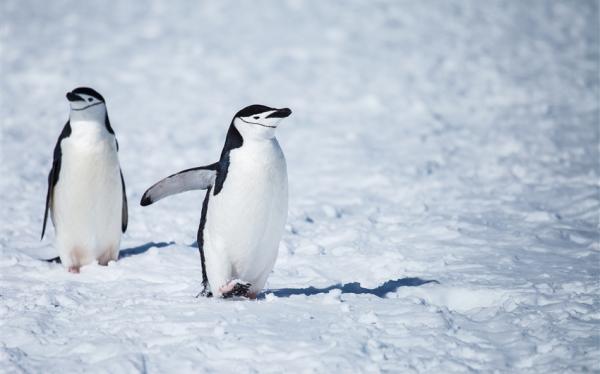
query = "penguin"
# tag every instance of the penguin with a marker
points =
(86, 195)
(245, 207)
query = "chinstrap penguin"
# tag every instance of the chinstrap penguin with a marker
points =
(245, 208)
(86, 191)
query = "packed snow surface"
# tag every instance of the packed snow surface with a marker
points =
(444, 185)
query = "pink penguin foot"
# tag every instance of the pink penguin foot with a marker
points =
(74, 269)
(234, 288)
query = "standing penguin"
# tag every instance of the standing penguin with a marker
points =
(86, 191)
(245, 207)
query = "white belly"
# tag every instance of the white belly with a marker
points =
(245, 221)
(87, 201)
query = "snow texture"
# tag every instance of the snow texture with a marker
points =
(444, 173)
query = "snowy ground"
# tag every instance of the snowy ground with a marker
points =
(448, 141)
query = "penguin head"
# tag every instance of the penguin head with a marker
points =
(86, 103)
(259, 121)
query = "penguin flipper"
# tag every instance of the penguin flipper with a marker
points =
(54, 172)
(199, 178)
(124, 214)
(48, 199)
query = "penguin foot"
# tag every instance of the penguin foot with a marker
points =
(74, 269)
(234, 288)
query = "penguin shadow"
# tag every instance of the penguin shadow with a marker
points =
(351, 288)
(134, 251)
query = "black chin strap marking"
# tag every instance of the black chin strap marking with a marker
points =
(259, 124)
(89, 106)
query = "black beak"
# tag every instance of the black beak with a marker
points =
(74, 97)
(280, 113)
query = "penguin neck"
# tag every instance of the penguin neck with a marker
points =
(96, 113)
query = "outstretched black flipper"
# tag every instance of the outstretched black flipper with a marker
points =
(54, 172)
(199, 178)
(211, 177)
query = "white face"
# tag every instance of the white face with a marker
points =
(86, 102)
(262, 119)
(261, 125)
(86, 107)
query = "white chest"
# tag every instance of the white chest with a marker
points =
(257, 169)
(88, 145)
(248, 215)
(89, 165)
(87, 200)
(88, 137)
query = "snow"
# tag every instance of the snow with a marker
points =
(443, 163)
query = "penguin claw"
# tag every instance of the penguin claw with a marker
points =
(235, 288)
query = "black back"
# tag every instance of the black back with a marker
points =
(109, 128)
(232, 141)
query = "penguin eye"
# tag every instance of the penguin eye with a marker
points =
(256, 117)
(90, 99)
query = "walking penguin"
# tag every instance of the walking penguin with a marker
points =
(245, 206)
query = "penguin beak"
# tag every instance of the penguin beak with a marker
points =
(74, 97)
(280, 113)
